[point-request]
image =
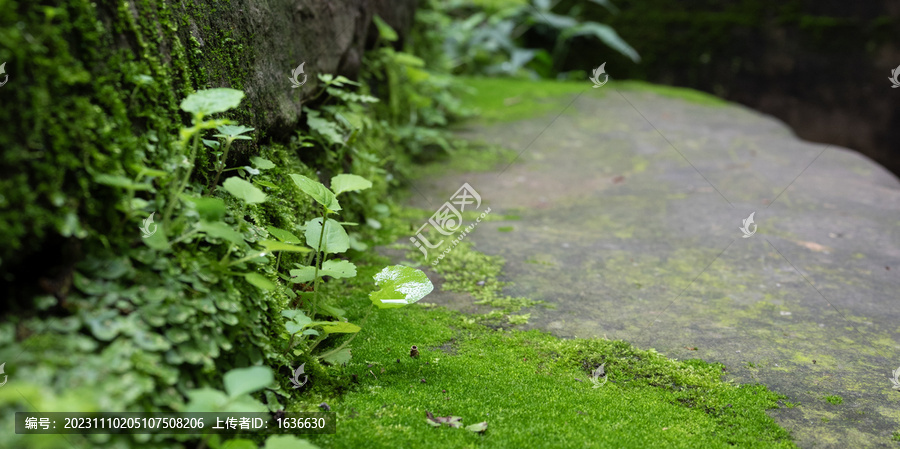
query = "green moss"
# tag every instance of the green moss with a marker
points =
(531, 386)
(508, 99)
(689, 95)
(466, 270)
(833, 399)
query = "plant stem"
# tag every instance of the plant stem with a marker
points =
(184, 236)
(221, 164)
(316, 343)
(319, 261)
(174, 198)
(344, 344)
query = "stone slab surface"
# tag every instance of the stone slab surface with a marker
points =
(630, 207)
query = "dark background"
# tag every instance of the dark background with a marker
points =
(820, 66)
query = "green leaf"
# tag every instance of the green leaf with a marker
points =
(262, 164)
(384, 30)
(328, 129)
(288, 442)
(233, 131)
(317, 191)
(335, 241)
(272, 246)
(244, 190)
(221, 230)
(244, 404)
(120, 181)
(260, 281)
(555, 20)
(480, 427)
(298, 320)
(346, 183)
(283, 235)
(400, 285)
(266, 184)
(303, 274)
(295, 315)
(338, 269)
(247, 380)
(338, 358)
(239, 443)
(211, 101)
(331, 310)
(408, 60)
(605, 34)
(158, 240)
(606, 4)
(210, 209)
(341, 327)
(205, 400)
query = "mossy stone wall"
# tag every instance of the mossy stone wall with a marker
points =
(94, 89)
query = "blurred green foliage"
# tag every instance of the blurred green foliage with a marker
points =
(514, 38)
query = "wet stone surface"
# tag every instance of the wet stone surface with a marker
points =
(630, 206)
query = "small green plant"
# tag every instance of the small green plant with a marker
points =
(401, 285)
(239, 383)
(200, 105)
(490, 39)
(833, 399)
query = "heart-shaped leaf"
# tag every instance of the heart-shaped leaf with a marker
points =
(233, 131)
(400, 285)
(338, 269)
(244, 190)
(317, 191)
(341, 357)
(335, 239)
(212, 101)
(346, 183)
(210, 209)
(262, 164)
(303, 274)
(247, 380)
(221, 230)
(298, 320)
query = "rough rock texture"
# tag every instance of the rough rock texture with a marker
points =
(630, 207)
(96, 88)
(274, 38)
